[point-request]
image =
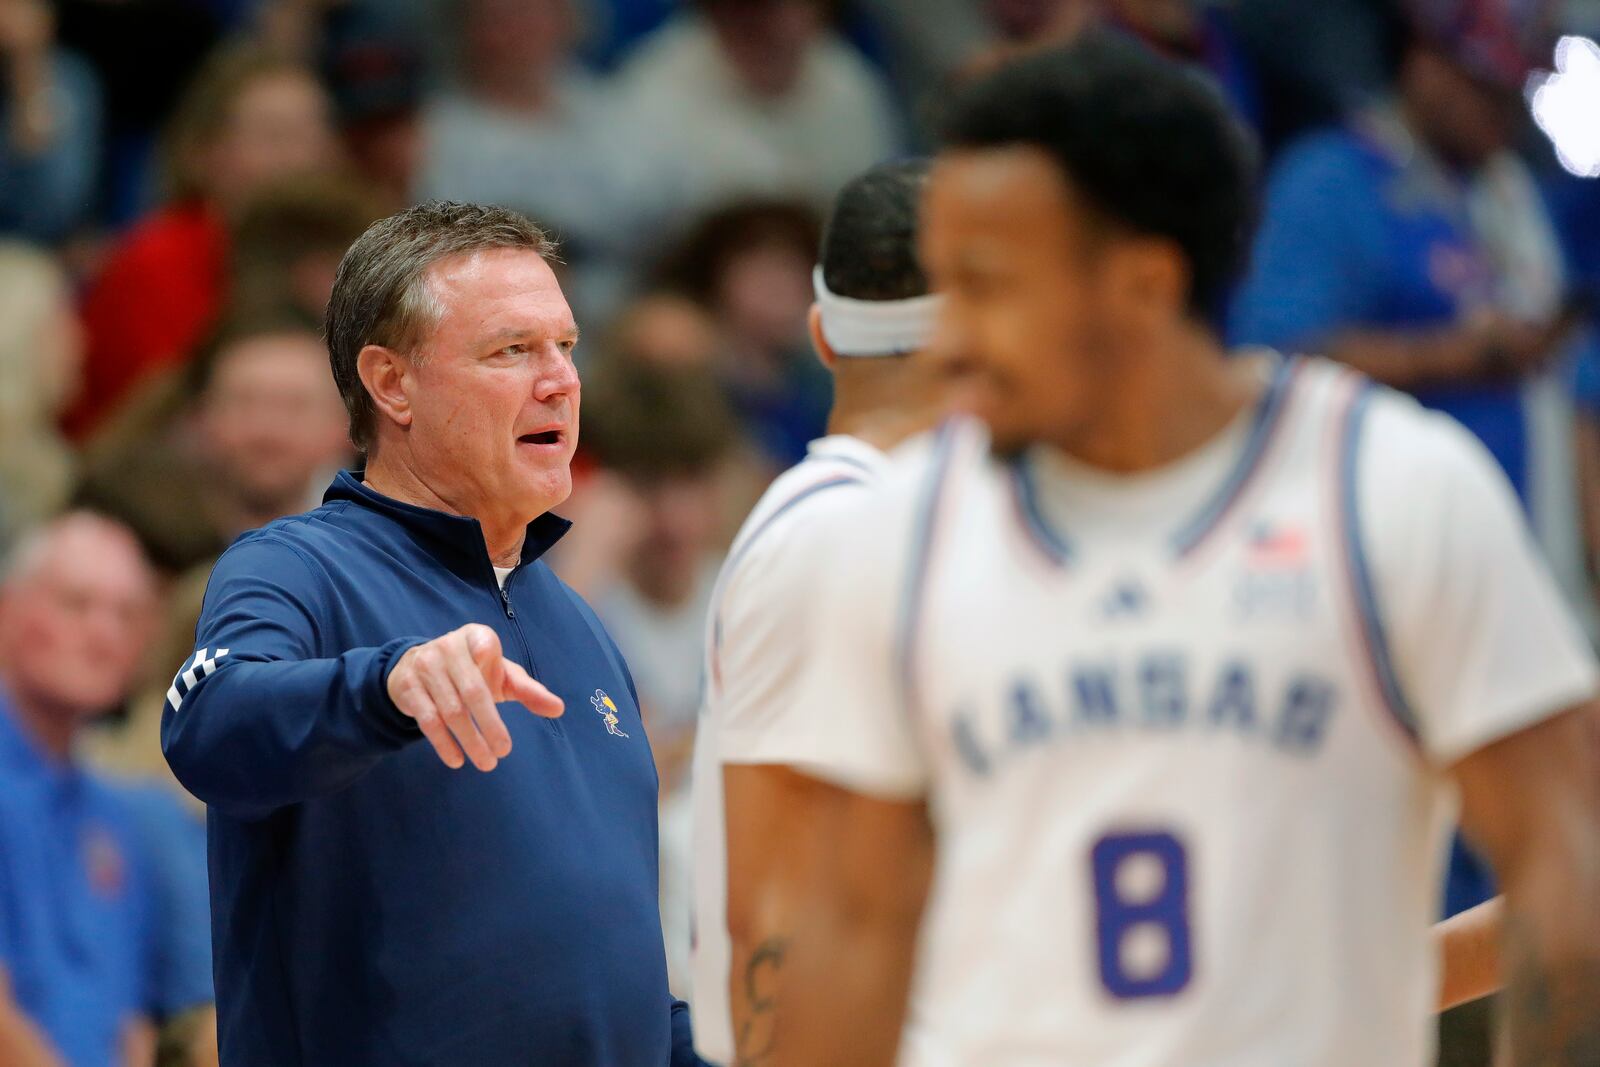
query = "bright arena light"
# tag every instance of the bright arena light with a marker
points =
(1566, 105)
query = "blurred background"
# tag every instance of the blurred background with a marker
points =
(179, 178)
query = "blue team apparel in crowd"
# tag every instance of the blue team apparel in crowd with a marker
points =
(370, 905)
(86, 920)
(172, 840)
(1357, 235)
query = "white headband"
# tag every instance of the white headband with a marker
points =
(874, 327)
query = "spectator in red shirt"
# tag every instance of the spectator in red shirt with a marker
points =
(249, 117)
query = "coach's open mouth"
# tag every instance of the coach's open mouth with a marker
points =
(543, 437)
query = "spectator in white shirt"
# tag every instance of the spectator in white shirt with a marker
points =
(525, 127)
(761, 98)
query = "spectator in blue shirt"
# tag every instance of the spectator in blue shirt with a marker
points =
(1414, 245)
(97, 924)
(373, 902)
(49, 127)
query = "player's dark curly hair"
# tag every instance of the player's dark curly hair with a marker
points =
(1149, 144)
(869, 247)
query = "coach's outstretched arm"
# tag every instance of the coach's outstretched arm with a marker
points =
(257, 720)
(1531, 803)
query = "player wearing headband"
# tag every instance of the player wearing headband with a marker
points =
(872, 317)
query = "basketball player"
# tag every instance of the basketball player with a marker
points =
(872, 318)
(1166, 682)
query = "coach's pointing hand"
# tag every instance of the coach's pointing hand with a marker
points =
(450, 686)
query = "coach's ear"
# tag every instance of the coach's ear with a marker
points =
(828, 356)
(388, 377)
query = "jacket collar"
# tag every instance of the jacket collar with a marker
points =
(458, 537)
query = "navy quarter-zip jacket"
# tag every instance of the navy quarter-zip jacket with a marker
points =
(369, 905)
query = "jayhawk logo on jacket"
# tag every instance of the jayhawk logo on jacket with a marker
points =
(608, 711)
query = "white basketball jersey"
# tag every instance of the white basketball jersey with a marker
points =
(753, 655)
(1182, 734)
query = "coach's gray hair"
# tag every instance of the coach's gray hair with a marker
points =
(381, 294)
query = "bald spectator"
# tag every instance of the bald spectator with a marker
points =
(761, 97)
(102, 927)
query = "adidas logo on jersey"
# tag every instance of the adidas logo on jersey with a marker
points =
(1126, 599)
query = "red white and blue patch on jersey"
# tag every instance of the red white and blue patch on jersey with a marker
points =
(1276, 545)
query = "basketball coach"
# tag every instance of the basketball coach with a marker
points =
(375, 900)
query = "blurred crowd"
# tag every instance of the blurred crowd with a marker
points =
(179, 179)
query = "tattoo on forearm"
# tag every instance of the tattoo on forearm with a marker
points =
(754, 1043)
(1551, 1009)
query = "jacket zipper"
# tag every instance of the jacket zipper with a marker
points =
(522, 638)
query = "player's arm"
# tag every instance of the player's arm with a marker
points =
(767, 613)
(1469, 954)
(262, 721)
(773, 816)
(811, 726)
(847, 973)
(1531, 803)
(857, 885)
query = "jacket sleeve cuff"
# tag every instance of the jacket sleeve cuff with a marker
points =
(375, 701)
(683, 1053)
